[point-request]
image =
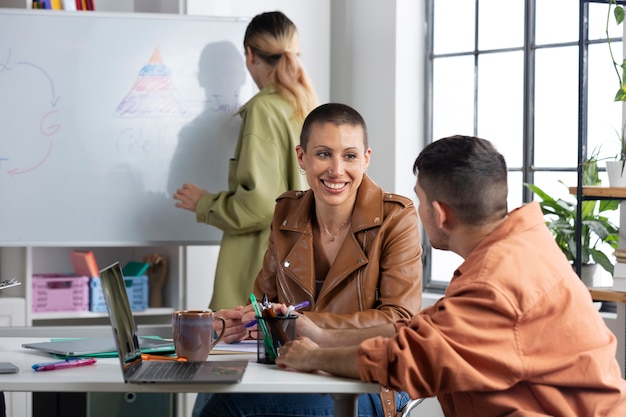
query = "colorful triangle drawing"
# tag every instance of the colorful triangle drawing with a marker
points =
(153, 94)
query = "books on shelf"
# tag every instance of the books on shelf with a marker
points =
(70, 5)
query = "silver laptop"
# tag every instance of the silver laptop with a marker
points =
(134, 369)
(97, 346)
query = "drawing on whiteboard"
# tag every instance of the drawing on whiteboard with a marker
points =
(47, 125)
(153, 94)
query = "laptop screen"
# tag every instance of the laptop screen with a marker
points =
(122, 320)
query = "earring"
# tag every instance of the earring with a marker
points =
(302, 171)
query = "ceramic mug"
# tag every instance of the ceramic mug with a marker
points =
(193, 333)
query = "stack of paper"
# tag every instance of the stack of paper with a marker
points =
(619, 273)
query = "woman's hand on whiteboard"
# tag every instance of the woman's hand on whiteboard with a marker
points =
(188, 196)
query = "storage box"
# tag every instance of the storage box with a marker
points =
(60, 292)
(136, 288)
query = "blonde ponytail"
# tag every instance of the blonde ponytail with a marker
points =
(274, 38)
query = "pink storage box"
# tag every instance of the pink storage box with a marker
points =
(60, 292)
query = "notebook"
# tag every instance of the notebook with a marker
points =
(136, 370)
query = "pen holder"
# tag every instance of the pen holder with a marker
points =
(272, 333)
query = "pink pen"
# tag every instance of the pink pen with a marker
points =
(69, 363)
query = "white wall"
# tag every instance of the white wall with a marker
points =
(311, 17)
(376, 66)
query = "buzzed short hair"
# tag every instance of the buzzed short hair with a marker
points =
(335, 113)
(466, 173)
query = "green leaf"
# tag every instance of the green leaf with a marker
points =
(590, 173)
(621, 94)
(619, 14)
(608, 205)
(600, 258)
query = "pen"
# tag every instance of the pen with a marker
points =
(68, 363)
(266, 335)
(147, 357)
(298, 306)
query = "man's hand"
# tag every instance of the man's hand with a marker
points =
(305, 355)
(297, 355)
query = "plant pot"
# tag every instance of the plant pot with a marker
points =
(593, 275)
(617, 175)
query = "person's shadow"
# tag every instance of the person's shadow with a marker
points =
(206, 145)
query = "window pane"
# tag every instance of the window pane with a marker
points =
(551, 183)
(516, 189)
(453, 96)
(444, 264)
(556, 107)
(604, 113)
(556, 21)
(598, 13)
(454, 26)
(500, 103)
(497, 29)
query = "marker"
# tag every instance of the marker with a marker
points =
(148, 357)
(267, 340)
(68, 363)
(297, 307)
(290, 309)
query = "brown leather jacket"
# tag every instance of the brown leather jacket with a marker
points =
(377, 275)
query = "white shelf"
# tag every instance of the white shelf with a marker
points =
(61, 315)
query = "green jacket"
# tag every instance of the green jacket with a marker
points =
(264, 166)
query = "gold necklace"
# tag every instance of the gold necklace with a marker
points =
(331, 237)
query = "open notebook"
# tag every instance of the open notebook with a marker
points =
(136, 370)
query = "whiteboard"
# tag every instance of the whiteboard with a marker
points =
(104, 115)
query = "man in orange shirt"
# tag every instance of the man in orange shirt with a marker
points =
(515, 334)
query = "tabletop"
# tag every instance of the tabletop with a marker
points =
(106, 376)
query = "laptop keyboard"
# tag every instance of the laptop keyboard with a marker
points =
(170, 371)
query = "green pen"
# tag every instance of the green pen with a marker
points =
(269, 347)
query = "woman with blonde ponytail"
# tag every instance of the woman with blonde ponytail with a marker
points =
(264, 165)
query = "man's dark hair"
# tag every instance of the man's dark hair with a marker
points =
(467, 174)
(335, 113)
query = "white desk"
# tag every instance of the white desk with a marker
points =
(106, 376)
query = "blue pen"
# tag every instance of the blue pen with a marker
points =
(298, 306)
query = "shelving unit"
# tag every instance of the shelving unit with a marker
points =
(27, 261)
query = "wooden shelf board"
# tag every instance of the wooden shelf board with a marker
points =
(588, 191)
(607, 294)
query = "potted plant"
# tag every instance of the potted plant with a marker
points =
(597, 230)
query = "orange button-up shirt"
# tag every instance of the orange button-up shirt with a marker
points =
(515, 334)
